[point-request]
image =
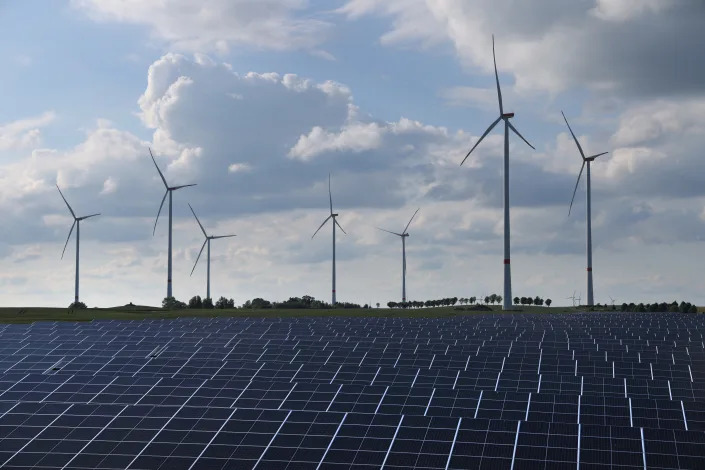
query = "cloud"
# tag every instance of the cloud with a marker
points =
(607, 46)
(216, 25)
(24, 133)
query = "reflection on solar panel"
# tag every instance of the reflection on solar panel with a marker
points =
(477, 391)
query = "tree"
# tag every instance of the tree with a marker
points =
(529, 300)
(207, 302)
(499, 299)
(537, 300)
(377, 304)
(221, 303)
(516, 300)
(170, 303)
(77, 305)
(548, 302)
(195, 302)
(487, 299)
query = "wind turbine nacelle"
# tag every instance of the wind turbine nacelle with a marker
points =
(334, 215)
(507, 115)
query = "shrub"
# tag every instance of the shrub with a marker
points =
(170, 303)
(195, 302)
(77, 305)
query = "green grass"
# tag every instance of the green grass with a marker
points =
(33, 314)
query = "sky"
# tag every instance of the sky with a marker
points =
(258, 101)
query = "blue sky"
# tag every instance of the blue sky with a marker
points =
(388, 96)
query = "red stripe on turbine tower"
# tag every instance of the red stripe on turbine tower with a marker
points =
(589, 269)
(506, 261)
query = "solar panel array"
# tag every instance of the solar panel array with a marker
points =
(476, 391)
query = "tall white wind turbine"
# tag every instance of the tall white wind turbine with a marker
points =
(77, 224)
(335, 222)
(507, 298)
(586, 160)
(403, 236)
(169, 191)
(208, 242)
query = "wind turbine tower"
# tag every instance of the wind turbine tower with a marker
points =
(206, 242)
(507, 297)
(335, 222)
(169, 191)
(403, 236)
(586, 161)
(77, 224)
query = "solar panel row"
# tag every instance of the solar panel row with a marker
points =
(479, 391)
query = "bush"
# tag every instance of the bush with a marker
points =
(257, 303)
(170, 303)
(207, 303)
(223, 303)
(195, 302)
(77, 305)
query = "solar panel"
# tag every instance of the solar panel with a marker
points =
(475, 391)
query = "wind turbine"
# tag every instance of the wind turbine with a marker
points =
(77, 224)
(586, 160)
(572, 297)
(403, 236)
(335, 222)
(507, 298)
(169, 191)
(207, 241)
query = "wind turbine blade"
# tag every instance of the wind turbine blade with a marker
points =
(319, 228)
(489, 129)
(412, 218)
(576, 187)
(67, 202)
(160, 211)
(341, 228)
(182, 186)
(521, 136)
(496, 76)
(88, 216)
(68, 238)
(599, 155)
(393, 233)
(330, 195)
(199, 256)
(223, 236)
(574, 138)
(160, 171)
(199, 222)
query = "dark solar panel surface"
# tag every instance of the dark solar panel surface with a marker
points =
(477, 391)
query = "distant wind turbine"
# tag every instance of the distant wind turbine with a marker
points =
(572, 297)
(507, 298)
(403, 236)
(586, 160)
(77, 224)
(207, 241)
(169, 191)
(335, 222)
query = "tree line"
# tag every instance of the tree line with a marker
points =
(258, 303)
(682, 307)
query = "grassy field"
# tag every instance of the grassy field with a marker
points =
(32, 314)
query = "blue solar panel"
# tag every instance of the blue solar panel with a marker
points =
(475, 391)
